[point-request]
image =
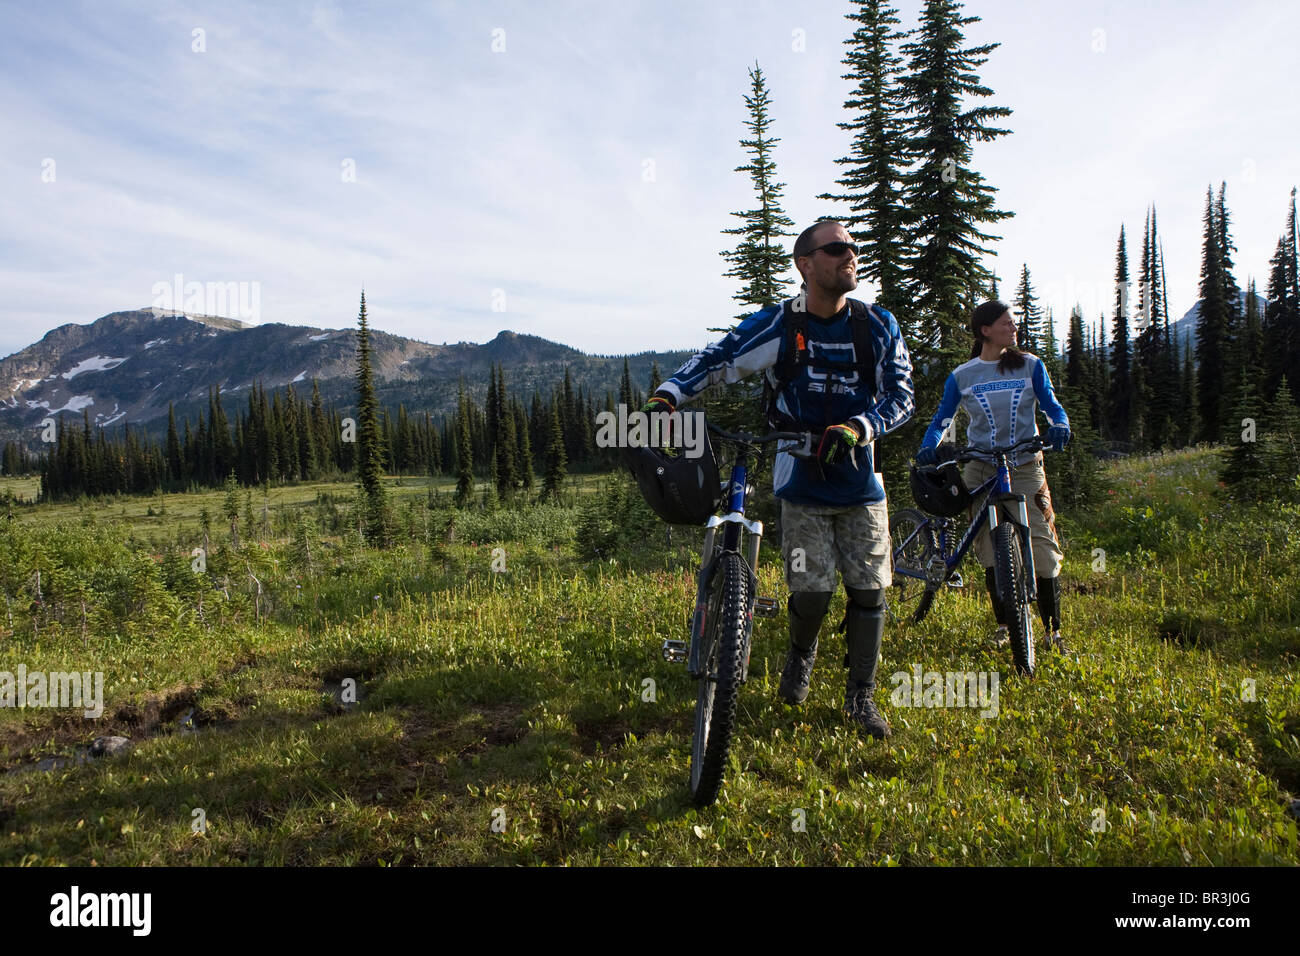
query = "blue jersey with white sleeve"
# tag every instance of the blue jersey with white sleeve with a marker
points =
(815, 398)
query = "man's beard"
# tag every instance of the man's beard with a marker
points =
(841, 283)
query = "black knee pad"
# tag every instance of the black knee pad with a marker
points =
(866, 599)
(809, 605)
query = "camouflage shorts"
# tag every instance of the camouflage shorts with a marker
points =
(816, 541)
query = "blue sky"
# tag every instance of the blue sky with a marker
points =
(574, 183)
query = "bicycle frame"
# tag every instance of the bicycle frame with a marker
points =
(998, 496)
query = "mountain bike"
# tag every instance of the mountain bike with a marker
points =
(717, 653)
(926, 549)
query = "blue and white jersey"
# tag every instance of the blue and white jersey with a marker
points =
(1002, 405)
(815, 398)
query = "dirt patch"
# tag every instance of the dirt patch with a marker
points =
(488, 727)
(610, 733)
(1190, 630)
(1081, 587)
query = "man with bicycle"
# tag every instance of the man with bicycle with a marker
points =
(840, 371)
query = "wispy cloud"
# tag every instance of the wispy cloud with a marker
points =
(585, 169)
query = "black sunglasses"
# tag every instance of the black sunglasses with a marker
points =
(836, 249)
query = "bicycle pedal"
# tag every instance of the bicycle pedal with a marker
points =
(955, 581)
(674, 652)
(766, 606)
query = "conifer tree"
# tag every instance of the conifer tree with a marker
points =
(1246, 469)
(173, 446)
(1281, 326)
(625, 387)
(1119, 403)
(556, 457)
(370, 454)
(759, 260)
(1282, 447)
(872, 176)
(1076, 358)
(464, 452)
(1029, 328)
(526, 476)
(507, 473)
(945, 198)
(1211, 330)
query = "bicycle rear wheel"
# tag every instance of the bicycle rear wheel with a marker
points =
(726, 633)
(1013, 592)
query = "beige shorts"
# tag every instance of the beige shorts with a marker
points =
(1030, 480)
(816, 541)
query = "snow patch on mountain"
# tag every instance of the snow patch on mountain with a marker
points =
(100, 363)
(75, 404)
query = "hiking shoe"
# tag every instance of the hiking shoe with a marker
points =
(1001, 637)
(797, 674)
(860, 706)
(1054, 642)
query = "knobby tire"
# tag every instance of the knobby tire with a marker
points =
(715, 708)
(1013, 592)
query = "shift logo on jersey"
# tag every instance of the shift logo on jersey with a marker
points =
(835, 382)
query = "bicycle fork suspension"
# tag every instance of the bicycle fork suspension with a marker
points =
(1020, 518)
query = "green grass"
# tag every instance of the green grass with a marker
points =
(507, 718)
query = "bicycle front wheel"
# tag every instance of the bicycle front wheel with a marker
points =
(1013, 592)
(726, 634)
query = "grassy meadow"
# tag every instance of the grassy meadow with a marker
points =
(512, 706)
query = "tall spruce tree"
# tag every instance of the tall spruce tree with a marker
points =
(1211, 331)
(1076, 355)
(872, 176)
(507, 470)
(946, 200)
(1282, 447)
(173, 446)
(556, 458)
(464, 449)
(1281, 326)
(1119, 395)
(370, 452)
(759, 260)
(1246, 470)
(1029, 328)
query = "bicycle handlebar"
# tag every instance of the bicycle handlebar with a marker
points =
(744, 438)
(974, 453)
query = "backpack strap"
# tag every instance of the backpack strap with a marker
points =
(794, 352)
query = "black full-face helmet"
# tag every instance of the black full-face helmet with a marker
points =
(679, 489)
(940, 492)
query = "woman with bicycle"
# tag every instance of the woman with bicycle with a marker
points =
(1002, 388)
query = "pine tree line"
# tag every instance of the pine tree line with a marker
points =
(283, 437)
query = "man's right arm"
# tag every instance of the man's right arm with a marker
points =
(753, 346)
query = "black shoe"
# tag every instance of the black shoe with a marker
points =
(860, 706)
(797, 674)
(1055, 643)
